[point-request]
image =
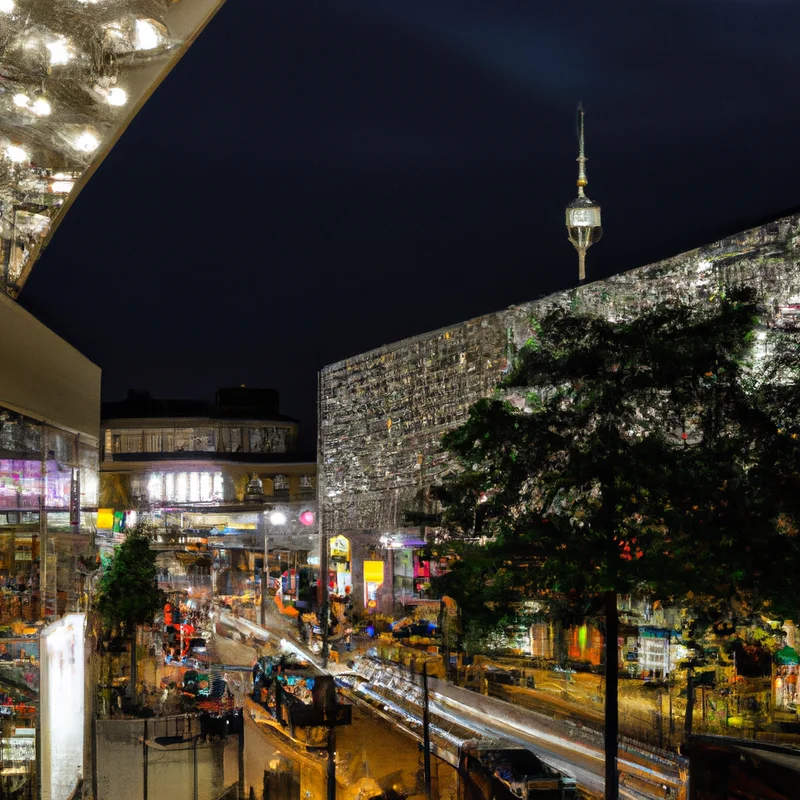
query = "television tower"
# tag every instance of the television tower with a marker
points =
(583, 215)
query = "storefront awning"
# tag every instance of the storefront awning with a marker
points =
(787, 656)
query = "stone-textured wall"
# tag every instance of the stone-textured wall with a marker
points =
(382, 414)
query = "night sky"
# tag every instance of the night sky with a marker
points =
(315, 179)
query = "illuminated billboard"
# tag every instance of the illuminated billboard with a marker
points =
(62, 706)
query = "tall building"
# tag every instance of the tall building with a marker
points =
(197, 456)
(382, 414)
(49, 426)
(74, 76)
(208, 474)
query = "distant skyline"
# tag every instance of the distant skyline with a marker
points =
(315, 180)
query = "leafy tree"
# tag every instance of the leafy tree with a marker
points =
(128, 593)
(596, 470)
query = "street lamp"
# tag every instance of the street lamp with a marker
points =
(276, 518)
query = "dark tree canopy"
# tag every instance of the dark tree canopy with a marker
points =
(657, 452)
(128, 592)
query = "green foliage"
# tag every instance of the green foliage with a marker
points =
(128, 592)
(658, 452)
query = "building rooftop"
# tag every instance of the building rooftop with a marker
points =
(238, 402)
(214, 456)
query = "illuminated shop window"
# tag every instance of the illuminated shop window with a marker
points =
(193, 487)
(90, 485)
(155, 487)
(57, 484)
(281, 482)
(20, 483)
(205, 486)
(182, 487)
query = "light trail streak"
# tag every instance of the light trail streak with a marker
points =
(588, 778)
(407, 716)
(567, 753)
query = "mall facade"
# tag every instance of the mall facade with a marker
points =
(382, 415)
(217, 482)
(74, 76)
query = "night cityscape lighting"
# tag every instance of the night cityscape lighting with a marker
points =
(75, 75)
(549, 551)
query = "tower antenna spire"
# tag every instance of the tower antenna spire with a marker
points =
(583, 216)
(581, 154)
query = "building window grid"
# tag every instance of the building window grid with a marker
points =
(185, 487)
(653, 654)
(222, 439)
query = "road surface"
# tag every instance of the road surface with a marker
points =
(584, 763)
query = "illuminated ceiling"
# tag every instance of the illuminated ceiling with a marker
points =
(73, 74)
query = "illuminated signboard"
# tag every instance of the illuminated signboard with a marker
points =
(62, 705)
(373, 580)
(340, 547)
(373, 572)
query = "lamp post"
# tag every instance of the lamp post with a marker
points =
(276, 518)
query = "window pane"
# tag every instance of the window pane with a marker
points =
(152, 440)
(183, 439)
(155, 487)
(204, 440)
(194, 486)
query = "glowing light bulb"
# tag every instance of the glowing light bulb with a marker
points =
(16, 154)
(117, 97)
(61, 187)
(277, 518)
(113, 31)
(21, 100)
(6, 6)
(41, 107)
(59, 51)
(147, 36)
(87, 142)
